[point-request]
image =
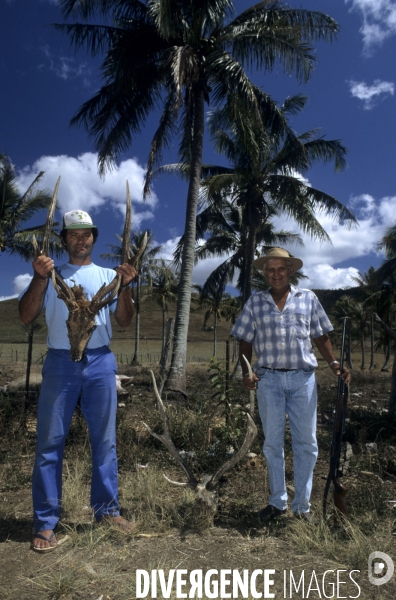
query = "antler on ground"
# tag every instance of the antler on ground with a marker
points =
(251, 433)
(206, 488)
(166, 439)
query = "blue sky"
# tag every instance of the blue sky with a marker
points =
(351, 97)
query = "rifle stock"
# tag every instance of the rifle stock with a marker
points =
(339, 490)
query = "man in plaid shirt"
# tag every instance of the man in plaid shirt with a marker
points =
(279, 325)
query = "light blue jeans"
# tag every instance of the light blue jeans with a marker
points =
(64, 381)
(293, 393)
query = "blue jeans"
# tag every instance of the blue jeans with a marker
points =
(64, 381)
(292, 392)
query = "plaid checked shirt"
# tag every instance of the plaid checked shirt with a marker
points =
(282, 340)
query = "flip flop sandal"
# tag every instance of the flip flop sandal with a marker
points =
(49, 548)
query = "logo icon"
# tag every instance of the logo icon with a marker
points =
(380, 568)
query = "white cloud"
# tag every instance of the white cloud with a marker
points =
(66, 68)
(81, 186)
(379, 21)
(168, 248)
(370, 94)
(324, 277)
(21, 282)
(321, 259)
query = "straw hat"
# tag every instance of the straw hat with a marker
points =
(259, 263)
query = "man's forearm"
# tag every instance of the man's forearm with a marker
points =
(31, 302)
(325, 348)
(125, 309)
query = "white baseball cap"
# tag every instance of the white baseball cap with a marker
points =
(77, 219)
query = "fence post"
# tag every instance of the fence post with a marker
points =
(227, 371)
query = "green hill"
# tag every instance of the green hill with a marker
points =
(13, 335)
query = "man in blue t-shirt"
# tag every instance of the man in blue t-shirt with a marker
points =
(65, 381)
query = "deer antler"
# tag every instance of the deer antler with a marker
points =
(251, 433)
(81, 321)
(205, 488)
(133, 261)
(48, 225)
(166, 439)
(50, 221)
(125, 251)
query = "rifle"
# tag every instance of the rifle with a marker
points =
(340, 491)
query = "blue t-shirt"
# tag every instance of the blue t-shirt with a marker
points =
(91, 278)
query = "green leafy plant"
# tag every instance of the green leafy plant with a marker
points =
(233, 429)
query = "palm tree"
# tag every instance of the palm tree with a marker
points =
(264, 177)
(214, 299)
(359, 313)
(142, 267)
(387, 271)
(231, 312)
(16, 209)
(221, 231)
(164, 286)
(181, 55)
(379, 287)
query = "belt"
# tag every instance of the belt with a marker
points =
(272, 369)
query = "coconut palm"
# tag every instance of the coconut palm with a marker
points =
(181, 55)
(386, 273)
(214, 299)
(379, 288)
(359, 313)
(163, 289)
(16, 209)
(142, 267)
(222, 231)
(265, 174)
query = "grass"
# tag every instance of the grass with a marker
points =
(13, 345)
(172, 529)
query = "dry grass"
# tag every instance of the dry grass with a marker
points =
(172, 530)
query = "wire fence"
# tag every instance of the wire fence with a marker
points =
(201, 352)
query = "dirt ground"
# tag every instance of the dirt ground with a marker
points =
(172, 531)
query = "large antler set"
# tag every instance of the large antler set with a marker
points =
(81, 320)
(206, 488)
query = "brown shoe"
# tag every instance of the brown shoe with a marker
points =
(270, 512)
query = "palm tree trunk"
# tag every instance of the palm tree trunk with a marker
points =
(164, 319)
(371, 367)
(215, 334)
(349, 350)
(392, 397)
(387, 354)
(135, 359)
(165, 352)
(177, 373)
(28, 367)
(362, 347)
(249, 257)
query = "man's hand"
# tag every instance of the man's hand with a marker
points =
(42, 267)
(250, 384)
(345, 375)
(127, 272)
